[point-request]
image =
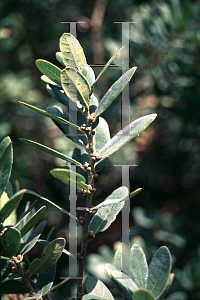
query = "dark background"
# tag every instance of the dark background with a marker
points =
(164, 45)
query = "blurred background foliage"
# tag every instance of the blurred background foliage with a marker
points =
(164, 45)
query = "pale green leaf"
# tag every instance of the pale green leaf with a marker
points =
(59, 58)
(114, 91)
(138, 266)
(102, 135)
(96, 287)
(50, 70)
(126, 134)
(6, 165)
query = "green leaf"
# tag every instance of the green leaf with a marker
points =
(45, 113)
(75, 86)
(50, 70)
(51, 254)
(13, 286)
(3, 200)
(106, 214)
(45, 242)
(11, 205)
(159, 271)
(45, 280)
(64, 176)
(52, 203)
(32, 221)
(72, 52)
(107, 65)
(143, 294)
(10, 241)
(96, 287)
(6, 267)
(23, 218)
(60, 96)
(51, 151)
(88, 72)
(126, 134)
(134, 193)
(122, 281)
(102, 135)
(166, 288)
(5, 171)
(59, 58)
(138, 266)
(114, 91)
(118, 195)
(30, 245)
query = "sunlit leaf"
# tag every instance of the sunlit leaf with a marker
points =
(5, 152)
(114, 91)
(88, 72)
(138, 266)
(50, 70)
(95, 287)
(102, 135)
(59, 58)
(126, 134)
(166, 288)
(134, 193)
(72, 52)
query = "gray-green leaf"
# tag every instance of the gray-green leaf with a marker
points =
(138, 266)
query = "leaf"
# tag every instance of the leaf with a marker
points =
(166, 288)
(10, 241)
(50, 70)
(126, 134)
(114, 91)
(49, 81)
(96, 287)
(107, 65)
(59, 58)
(138, 266)
(7, 166)
(159, 271)
(122, 260)
(72, 52)
(45, 113)
(45, 242)
(3, 200)
(11, 205)
(6, 267)
(13, 286)
(51, 254)
(64, 176)
(104, 217)
(52, 203)
(50, 151)
(118, 195)
(124, 283)
(73, 134)
(143, 294)
(23, 216)
(93, 297)
(88, 72)
(45, 280)
(102, 135)
(30, 245)
(134, 193)
(75, 86)
(59, 95)
(32, 221)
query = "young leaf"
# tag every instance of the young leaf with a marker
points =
(88, 72)
(124, 283)
(45, 113)
(7, 166)
(107, 65)
(72, 52)
(75, 180)
(52, 253)
(52, 203)
(118, 195)
(143, 294)
(59, 58)
(45, 281)
(50, 70)
(159, 271)
(114, 91)
(11, 205)
(126, 134)
(102, 135)
(32, 221)
(104, 217)
(10, 242)
(138, 266)
(75, 86)
(51, 151)
(95, 287)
